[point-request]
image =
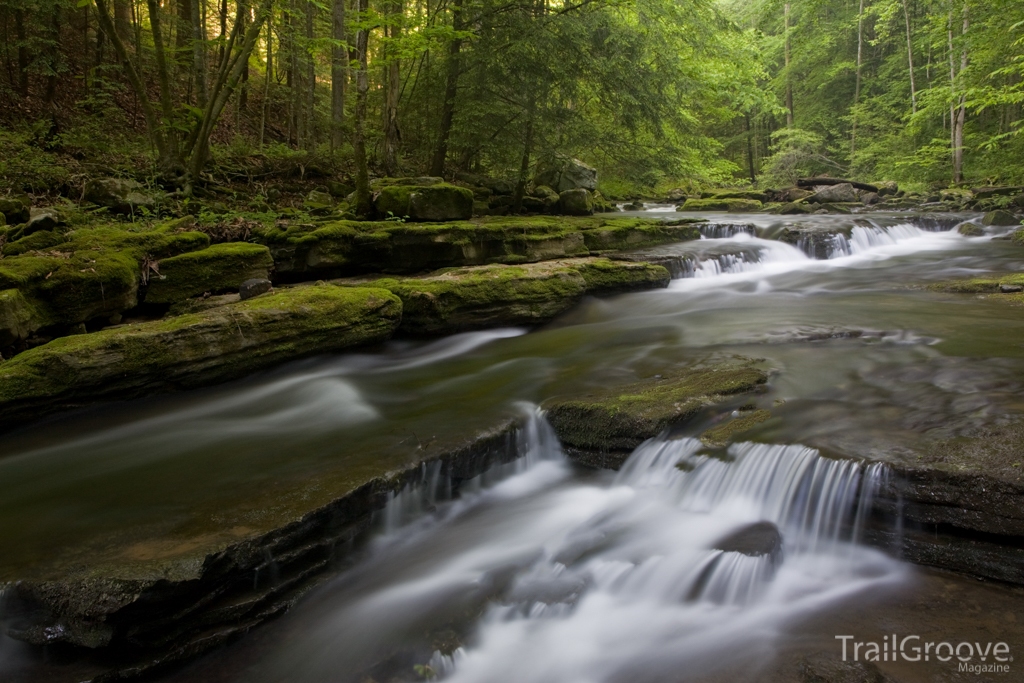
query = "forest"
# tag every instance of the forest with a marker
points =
(656, 94)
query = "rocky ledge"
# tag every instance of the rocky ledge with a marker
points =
(603, 428)
(198, 349)
(141, 608)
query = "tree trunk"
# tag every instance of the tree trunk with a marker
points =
(123, 19)
(961, 115)
(243, 89)
(19, 33)
(910, 59)
(450, 91)
(856, 91)
(524, 163)
(339, 73)
(750, 150)
(198, 51)
(53, 56)
(789, 78)
(392, 134)
(266, 79)
(310, 90)
(363, 201)
(183, 33)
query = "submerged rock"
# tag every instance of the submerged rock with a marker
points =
(461, 299)
(194, 350)
(754, 540)
(604, 427)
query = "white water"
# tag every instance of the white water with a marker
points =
(611, 579)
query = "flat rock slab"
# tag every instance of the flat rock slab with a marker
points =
(198, 349)
(603, 428)
(459, 299)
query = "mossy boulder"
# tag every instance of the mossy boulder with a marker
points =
(458, 299)
(1018, 237)
(437, 202)
(984, 285)
(16, 210)
(793, 209)
(217, 269)
(119, 195)
(19, 318)
(604, 427)
(729, 205)
(94, 273)
(38, 241)
(736, 194)
(725, 432)
(999, 217)
(971, 230)
(346, 248)
(577, 202)
(193, 350)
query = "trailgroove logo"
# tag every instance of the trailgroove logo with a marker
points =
(975, 658)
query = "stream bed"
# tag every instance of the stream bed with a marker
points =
(688, 564)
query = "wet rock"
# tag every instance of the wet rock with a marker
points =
(435, 202)
(143, 613)
(462, 299)
(754, 540)
(822, 669)
(999, 217)
(870, 198)
(602, 428)
(1010, 289)
(843, 192)
(978, 285)
(563, 173)
(825, 181)
(216, 269)
(971, 230)
(16, 210)
(577, 202)
(634, 206)
(736, 194)
(193, 350)
(887, 188)
(722, 434)
(602, 205)
(119, 195)
(254, 287)
(729, 205)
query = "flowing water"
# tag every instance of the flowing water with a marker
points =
(687, 564)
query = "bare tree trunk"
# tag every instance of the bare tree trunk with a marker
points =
(524, 163)
(53, 56)
(123, 19)
(339, 73)
(198, 51)
(392, 134)
(788, 78)
(266, 80)
(450, 91)
(243, 89)
(363, 200)
(19, 33)
(910, 59)
(750, 150)
(310, 104)
(183, 33)
(958, 128)
(856, 91)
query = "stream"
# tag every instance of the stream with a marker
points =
(544, 571)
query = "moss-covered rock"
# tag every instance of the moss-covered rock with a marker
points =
(95, 272)
(1018, 237)
(193, 350)
(576, 202)
(730, 205)
(607, 425)
(459, 299)
(18, 318)
(736, 194)
(793, 209)
(999, 217)
(350, 247)
(217, 269)
(119, 195)
(971, 230)
(982, 285)
(37, 241)
(436, 202)
(722, 434)
(16, 210)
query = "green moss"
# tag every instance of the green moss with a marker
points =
(730, 205)
(1018, 237)
(44, 239)
(18, 317)
(620, 419)
(978, 285)
(393, 200)
(456, 299)
(194, 350)
(722, 434)
(220, 268)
